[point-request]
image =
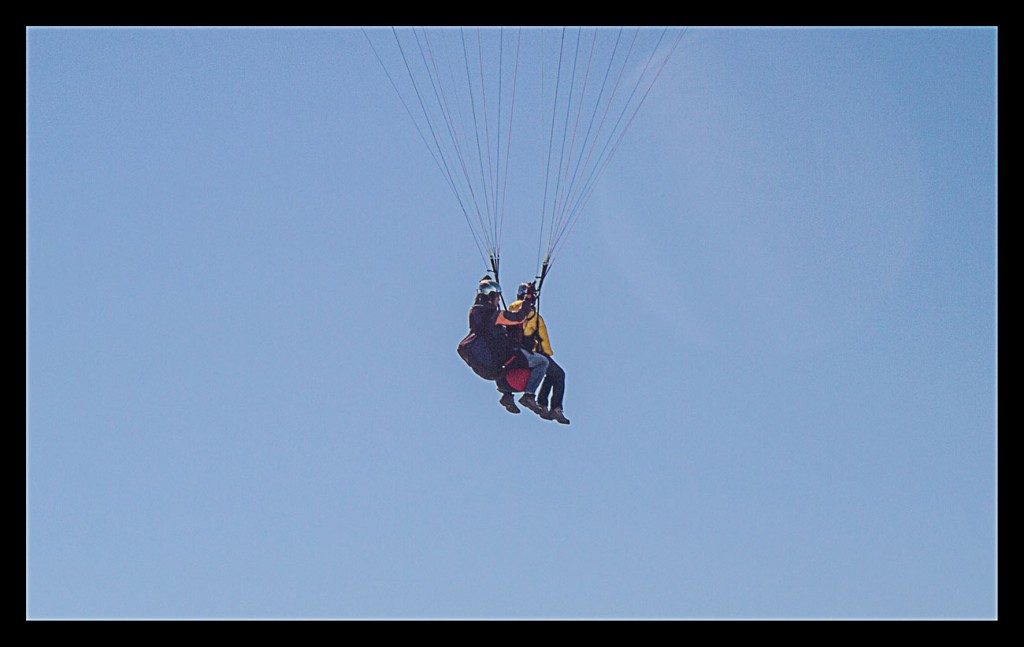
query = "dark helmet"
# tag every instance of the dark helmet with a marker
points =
(526, 289)
(488, 286)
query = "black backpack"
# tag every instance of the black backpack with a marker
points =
(474, 351)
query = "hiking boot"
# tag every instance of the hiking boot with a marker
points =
(556, 414)
(508, 401)
(528, 401)
(546, 414)
(543, 413)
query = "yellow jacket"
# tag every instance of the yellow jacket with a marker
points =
(535, 333)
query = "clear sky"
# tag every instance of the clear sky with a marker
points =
(247, 277)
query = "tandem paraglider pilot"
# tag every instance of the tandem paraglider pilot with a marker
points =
(494, 355)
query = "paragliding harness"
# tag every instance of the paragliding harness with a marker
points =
(510, 376)
(474, 351)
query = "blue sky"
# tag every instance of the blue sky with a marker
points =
(777, 314)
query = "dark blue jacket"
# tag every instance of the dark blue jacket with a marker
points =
(488, 323)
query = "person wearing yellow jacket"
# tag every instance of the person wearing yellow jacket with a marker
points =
(535, 339)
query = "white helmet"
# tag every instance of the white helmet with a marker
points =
(488, 286)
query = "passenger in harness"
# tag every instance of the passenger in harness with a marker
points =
(534, 333)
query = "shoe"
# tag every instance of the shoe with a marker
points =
(528, 401)
(556, 414)
(509, 403)
(544, 412)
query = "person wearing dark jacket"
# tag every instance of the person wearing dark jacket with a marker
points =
(488, 322)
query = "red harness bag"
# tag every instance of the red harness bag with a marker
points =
(517, 378)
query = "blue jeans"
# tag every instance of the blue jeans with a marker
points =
(538, 365)
(555, 377)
